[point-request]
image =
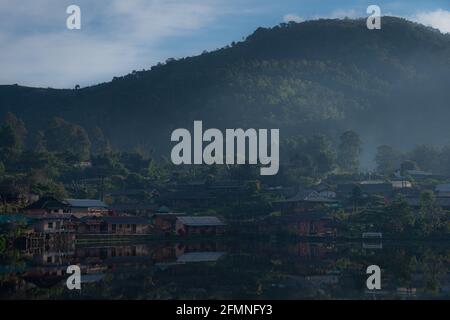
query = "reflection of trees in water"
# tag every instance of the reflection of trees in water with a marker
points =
(248, 269)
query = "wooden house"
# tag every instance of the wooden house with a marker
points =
(304, 201)
(199, 225)
(86, 207)
(113, 225)
(55, 224)
(165, 221)
(49, 205)
(45, 206)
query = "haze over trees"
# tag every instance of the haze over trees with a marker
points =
(317, 77)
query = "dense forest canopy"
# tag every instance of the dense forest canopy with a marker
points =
(316, 77)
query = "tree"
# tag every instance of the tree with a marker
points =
(408, 165)
(62, 136)
(431, 215)
(18, 127)
(39, 142)
(444, 161)
(426, 156)
(397, 217)
(357, 196)
(388, 159)
(12, 136)
(349, 152)
(8, 138)
(319, 147)
(99, 143)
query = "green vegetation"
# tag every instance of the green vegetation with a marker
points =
(318, 77)
(334, 89)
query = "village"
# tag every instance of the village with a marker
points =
(181, 211)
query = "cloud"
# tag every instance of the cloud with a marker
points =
(292, 17)
(439, 19)
(340, 14)
(116, 37)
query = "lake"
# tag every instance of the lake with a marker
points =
(229, 269)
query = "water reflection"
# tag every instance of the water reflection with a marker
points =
(228, 269)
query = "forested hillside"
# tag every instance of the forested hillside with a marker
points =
(323, 76)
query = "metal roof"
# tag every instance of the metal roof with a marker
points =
(443, 187)
(86, 203)
(440, 201)
(200, 256)
(201, 221)
(307, 196)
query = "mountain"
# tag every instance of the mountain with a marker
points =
(322, 76)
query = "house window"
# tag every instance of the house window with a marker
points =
(50, 225)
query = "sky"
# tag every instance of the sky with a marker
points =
(118, 36)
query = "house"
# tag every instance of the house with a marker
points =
(46, 205)
(206, 256)
(306, 200)
(300, 224)
(401, 184)
(86, 207)
(49, 205)
(141, 209)
(55, 224)
(443, 202)
(368, 188)
(113, 225)
(330, 194)
(126, 225)
(89, 225)
(186, 225)
(165, 221)
(442, 190)
(418, 174)
(325, 190)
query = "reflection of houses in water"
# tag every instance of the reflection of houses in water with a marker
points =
(113, 256)
(47, 276)
(189, 252)
(300, 224)
(200, 257)
(48, 268)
